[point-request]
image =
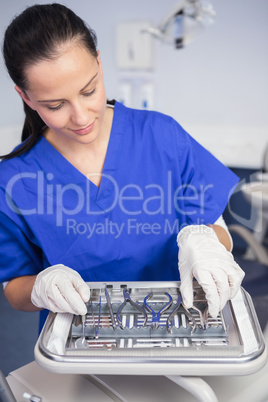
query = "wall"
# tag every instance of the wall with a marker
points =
(216, 87)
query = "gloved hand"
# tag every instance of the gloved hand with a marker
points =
(201, 255)
(61, 290)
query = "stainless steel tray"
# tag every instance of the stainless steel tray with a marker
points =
(231, 344)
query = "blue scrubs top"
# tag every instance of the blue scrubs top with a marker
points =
(156, 179)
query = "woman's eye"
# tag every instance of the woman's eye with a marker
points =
(89, 93)
(56, 107)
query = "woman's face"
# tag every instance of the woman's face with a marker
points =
(68, 94)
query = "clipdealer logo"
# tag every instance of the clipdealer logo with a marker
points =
(68, 200)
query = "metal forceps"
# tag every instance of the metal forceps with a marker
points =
(157, 315)
(203, 316)
(127, 299)
(175, 311)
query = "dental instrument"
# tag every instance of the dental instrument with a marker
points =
(127, 299)
(81, 342)
(109, 304)
(190, 317)
(156, 316)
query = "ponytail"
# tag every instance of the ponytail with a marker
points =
(32, 124)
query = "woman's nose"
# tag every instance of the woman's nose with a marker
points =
(80, 115)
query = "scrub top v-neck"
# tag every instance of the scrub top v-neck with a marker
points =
(155, 180)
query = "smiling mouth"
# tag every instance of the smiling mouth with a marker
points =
(85, 130)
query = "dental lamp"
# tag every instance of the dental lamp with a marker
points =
(186, 18)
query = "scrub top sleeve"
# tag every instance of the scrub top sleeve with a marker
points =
(207, 184)
(18, 257)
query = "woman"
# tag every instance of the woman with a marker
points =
(98, 187)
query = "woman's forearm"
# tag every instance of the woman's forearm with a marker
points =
(222, 236)
(18, 293)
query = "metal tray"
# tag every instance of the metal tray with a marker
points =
(231, 344)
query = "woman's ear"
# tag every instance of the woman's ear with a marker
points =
(99, 62)
(24, 97)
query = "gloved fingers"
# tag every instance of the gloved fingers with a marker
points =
(209, 286)
(56, 303)
(221, 280)
(186, 290)
(235, 280)
(82, 288)
(68, 298)
(228, 277)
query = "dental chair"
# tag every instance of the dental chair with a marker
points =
(258, 249)
(255, 260)
(256, 272)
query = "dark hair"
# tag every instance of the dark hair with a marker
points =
(35, 35)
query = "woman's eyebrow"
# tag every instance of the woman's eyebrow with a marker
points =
(60, 100)
(89, 82)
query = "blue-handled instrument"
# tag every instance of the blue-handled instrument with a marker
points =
(127, 299)
(156, 315)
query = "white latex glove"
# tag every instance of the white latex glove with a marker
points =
(61, 290)
(201, 255)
